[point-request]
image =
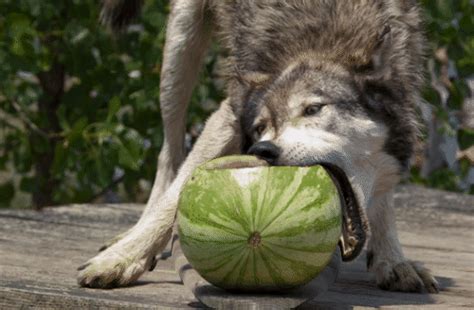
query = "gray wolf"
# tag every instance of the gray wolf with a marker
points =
(316, 81)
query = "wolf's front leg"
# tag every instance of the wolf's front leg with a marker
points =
(385, 257)
(126, 260)
(188, 37)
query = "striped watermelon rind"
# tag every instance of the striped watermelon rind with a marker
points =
(258, 228)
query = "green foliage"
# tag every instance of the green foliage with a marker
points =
(109, 118)
(450, 29)
(451, 24)
(103, 129)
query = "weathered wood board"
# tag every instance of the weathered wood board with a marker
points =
(40, 251)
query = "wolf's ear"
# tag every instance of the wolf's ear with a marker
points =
(252, 79)
(379, 66)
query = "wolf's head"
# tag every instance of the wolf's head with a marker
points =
(322, 112)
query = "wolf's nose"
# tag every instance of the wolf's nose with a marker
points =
(265, 150)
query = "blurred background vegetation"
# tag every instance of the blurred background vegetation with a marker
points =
(79, 111)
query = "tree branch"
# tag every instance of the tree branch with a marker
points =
(10, 121)
(107, 188)
(28, 123)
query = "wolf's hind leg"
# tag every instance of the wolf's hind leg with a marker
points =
(187, 40)
(126, 260)
(385, 257)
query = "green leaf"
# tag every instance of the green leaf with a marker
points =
(59, 162)
(76, 132)
(7, 192)
(21, 33)
(466, 138)
(114, 106)
(128, 157)
(27, 184)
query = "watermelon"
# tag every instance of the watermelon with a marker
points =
(250, 227)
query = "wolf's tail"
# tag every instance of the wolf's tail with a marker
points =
(117, 14)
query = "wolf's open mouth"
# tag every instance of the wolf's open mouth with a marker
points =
(354, 224)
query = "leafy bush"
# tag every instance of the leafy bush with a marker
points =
(447, 156)
(79, 109)
(72, 143)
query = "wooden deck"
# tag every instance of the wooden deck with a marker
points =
(39, 254)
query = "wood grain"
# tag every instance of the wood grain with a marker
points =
(40, 251)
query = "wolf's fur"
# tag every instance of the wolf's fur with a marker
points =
(355, 65)
(116, 14)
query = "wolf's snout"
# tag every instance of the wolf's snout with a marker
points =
(265, 150)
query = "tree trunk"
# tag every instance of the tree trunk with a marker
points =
(52, 84)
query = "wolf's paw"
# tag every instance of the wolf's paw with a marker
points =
(113, 241)
(405, 276)
(113, 268)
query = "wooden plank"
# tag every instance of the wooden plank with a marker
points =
(39, 253)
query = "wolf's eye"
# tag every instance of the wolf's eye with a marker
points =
(260, 129)
(313, 109)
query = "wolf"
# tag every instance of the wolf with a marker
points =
(330, 82)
